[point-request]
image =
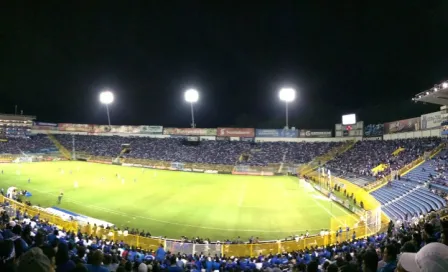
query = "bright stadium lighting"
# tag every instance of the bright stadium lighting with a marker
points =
(435, 89)
(427, 93)
(106, 98)
(191, 96)
(287, 95)
(445, 85)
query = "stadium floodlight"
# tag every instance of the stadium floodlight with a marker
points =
(106, 98)
(287, 95)
(191, 96)
(445, 85)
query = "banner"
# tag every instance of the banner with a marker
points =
(407, 125)
(431, 120)
(314, 133)
(398, 151)
(151, 129)
(236, 132)
(223, 138)
(190, 131)
(74, 127)
(44, 124)
(374, 130)
(98, 129)
(277, 133)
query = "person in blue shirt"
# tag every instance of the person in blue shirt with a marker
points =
(96, 260)
(390, 258)
(173, 265)
(209, 265)
(216, 264)
(131, 255)
(160, 253)
(149, 257)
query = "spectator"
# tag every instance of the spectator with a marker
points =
(97, 259)
(7, 256)
(431, 258)
(34, 260)
(369, 261)
(389, 258)
(63, 262)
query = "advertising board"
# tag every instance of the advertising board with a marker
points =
(277, 133)
(190, 131)
(44, 126)
(115, 129)
(314, 133)
(431, 120)
(374, 130)
(151, 129)
(236, 132)
(407, 125)
(74, 127)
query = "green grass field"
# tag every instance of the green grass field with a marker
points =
(172, 203)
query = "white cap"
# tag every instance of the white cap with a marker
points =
(431, 258)
(142, 268)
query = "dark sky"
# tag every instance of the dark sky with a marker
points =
(341, 56)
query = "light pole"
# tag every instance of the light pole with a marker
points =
(287, 95)
(106, 98)
(191, 96)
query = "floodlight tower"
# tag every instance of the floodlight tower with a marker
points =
(287, 95)
(106, 98)
(191, 96)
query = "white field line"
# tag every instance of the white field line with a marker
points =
(66, 199)
(325, 209)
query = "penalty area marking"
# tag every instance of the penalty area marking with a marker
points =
(317, 195)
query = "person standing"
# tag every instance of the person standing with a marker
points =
(60, 198)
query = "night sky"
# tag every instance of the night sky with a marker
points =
(341, 56)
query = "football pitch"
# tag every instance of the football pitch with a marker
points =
(172, 204)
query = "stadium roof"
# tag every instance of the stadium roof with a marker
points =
(436, 95)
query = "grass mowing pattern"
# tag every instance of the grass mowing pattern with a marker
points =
(172, 204)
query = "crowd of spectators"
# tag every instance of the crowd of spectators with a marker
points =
(30, 244)
(366, 155)
(32, 144)
(210, 152)
(440, 165)
(359, 160)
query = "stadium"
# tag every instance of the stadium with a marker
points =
(225, 191)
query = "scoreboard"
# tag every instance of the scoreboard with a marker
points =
(355, 130)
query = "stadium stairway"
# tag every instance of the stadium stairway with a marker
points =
(59, 146)
(314, 164)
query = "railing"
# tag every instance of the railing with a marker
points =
(375, 185)
(152, 243)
